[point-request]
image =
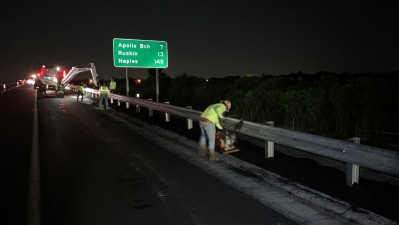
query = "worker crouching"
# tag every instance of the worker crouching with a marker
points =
(208, 122)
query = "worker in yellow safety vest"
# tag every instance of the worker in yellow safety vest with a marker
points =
(103, 95)
(81, 89)
(208, 122)
(112, 86)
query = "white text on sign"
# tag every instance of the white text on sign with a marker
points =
(132, 45)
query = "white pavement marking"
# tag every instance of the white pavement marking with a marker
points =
(33, 208)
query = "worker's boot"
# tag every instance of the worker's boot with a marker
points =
(202, 151)
(212, 156)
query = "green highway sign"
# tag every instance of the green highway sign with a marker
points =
(140, 53)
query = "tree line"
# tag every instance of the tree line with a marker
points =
(340, 106)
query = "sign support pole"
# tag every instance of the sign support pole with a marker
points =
(127, 84)
(157, 83)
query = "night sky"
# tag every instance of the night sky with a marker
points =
(205, 38)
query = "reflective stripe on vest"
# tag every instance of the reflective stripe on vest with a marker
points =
(103, 90)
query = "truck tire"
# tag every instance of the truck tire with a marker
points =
(60, 94)
(40, 93)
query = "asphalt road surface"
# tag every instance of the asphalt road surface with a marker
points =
(16, 116)
(107, 167)
(95, 171)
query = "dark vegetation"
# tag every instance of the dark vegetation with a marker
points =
(340, 106)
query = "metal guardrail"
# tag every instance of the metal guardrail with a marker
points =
(354, 154)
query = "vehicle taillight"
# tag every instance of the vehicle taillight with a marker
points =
(64, 73)
(43, 71)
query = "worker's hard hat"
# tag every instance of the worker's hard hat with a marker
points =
(228, 104)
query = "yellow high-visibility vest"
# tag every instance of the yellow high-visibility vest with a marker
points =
(81, 88)
(112, 85)
(104, 90)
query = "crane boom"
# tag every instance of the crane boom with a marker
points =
(78, 69)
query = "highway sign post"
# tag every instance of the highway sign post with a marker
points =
(138, 53)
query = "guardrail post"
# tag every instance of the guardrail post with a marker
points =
(127, 105)
(119, 103)
(167, 115)
(137, 106)
(112, 100)
(150, 112)
(269, 145)
(189, 121)
(352, 170)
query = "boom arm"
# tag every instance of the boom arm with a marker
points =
(78, 69)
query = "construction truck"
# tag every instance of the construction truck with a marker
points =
(55, 80)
